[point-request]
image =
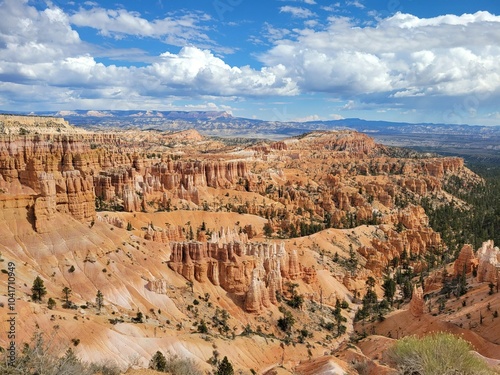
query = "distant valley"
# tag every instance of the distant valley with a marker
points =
(477, 144)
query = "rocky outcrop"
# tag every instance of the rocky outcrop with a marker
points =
(257, 296)
(77, 193)
(156, 235)
(466, 261)
(205, 262)
(131, 200)
(174, 175)
(417, 302)
(488, 268)
(257, 270)
(23, 125)
(343, 141)
(279, 146)
(57, 168)
(158, 286)
(112, 220)
(416, 238)
(45, 205)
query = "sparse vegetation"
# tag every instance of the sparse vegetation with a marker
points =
(225, 367)
(66, 294)
(99, 300)
(38, 290)
(286, 322)
(173, 364)
(51, 303)
(139, 318)
(439, 353)
(38, 358)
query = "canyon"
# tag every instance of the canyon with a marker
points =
(191, 230)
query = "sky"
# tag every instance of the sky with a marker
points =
(281, 60)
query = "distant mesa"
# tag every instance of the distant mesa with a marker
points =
(24, 125)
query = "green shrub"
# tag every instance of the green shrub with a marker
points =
(225, 367)
(51, 303)
(158, 362)
(436, 354)
(286, 322)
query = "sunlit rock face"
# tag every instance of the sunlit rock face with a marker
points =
(417, 302)
(488, 256)
(466, 261)
(258, 270)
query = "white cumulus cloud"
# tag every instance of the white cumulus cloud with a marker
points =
(120, 22)
(297, 12)
(43, 58)
(401, 56)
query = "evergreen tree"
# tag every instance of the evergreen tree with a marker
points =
(66, 293)
(352, 262)
(99, 300)
(158, 362)
(407, 289)
(225, 367)
(268, 229)
(51, 303)
(286, 322)
(389, 287)
(38, 289)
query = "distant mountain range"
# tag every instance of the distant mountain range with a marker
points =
(473, 140)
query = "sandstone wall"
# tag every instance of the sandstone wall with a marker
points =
(258, 270)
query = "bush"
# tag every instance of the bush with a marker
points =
(51, 303)
(286, 322)
(158, 362)
(38, 289)
(225, 367)
(37, 358)
(439, 353)
(174, 365)
(104, 369)
(202, 327)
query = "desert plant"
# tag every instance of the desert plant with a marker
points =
(172, 364)
(158, 362)
(202, 327)
(51, 303)
(99, 300)
(439, 353)
(139, 318)
(225, 367)
(66, 294)
(38, 289)
(104, 369)
(286, 322)
(38, 358)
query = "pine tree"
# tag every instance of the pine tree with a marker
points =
(389, 287)
(51, 303)
(38, 289)
(225, 367)
(66, 293)
(158, 362)
(268, 229)
(99, 300)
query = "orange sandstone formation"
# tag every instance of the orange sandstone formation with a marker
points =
(465, 262)
(417, 302)
(488, 268)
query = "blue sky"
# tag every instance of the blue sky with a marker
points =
(415, 61)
